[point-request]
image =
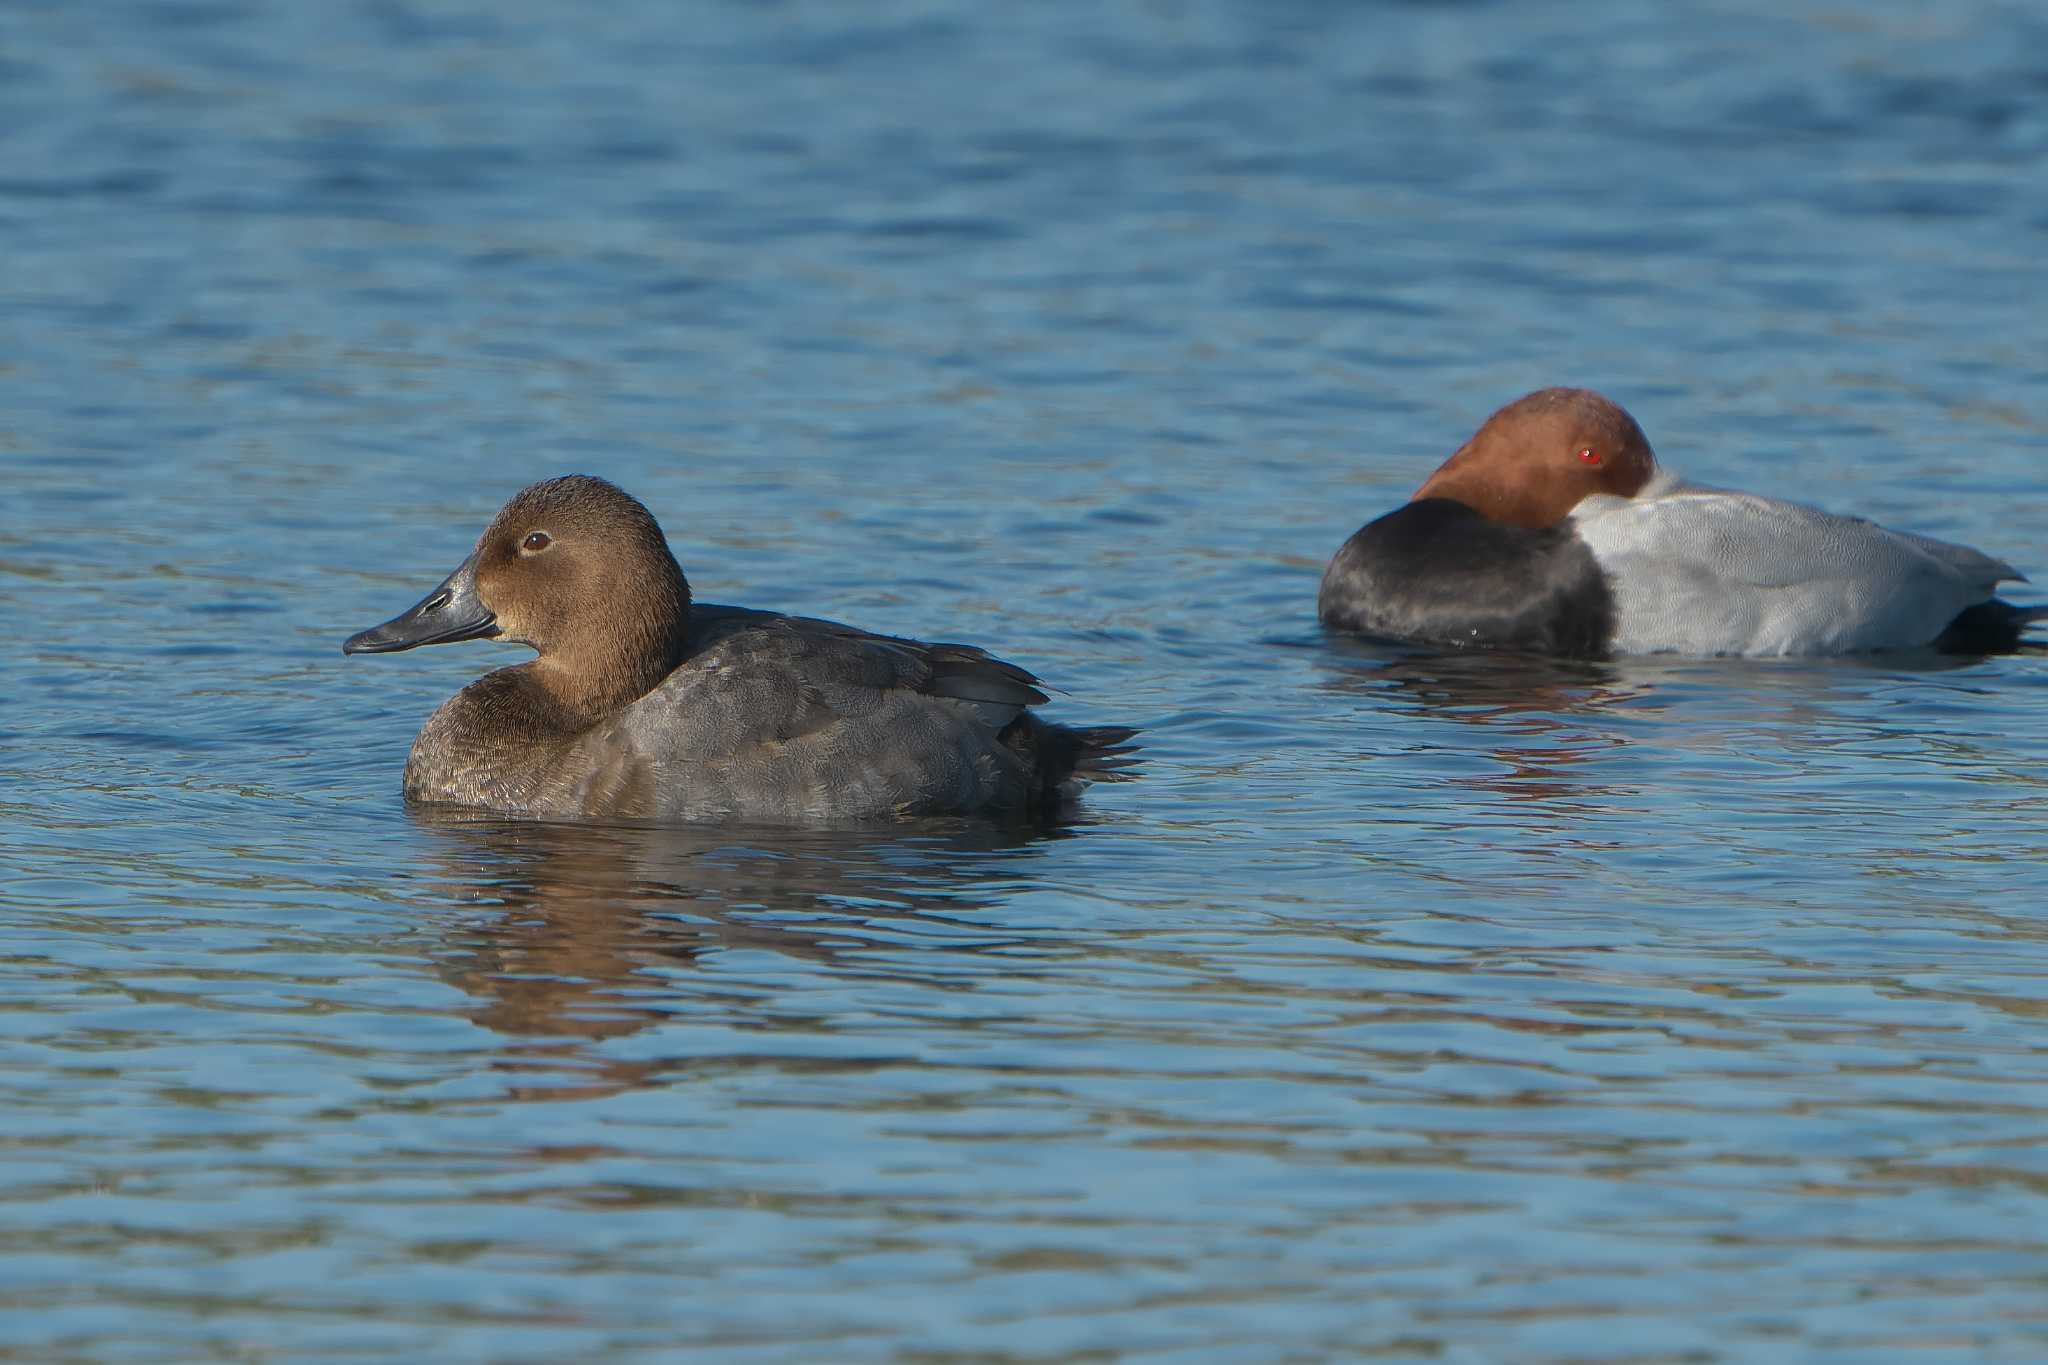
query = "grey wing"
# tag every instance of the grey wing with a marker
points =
(1765, 543)
(823, 662)
(1707, 571)
(1976, 567)
(788, 716)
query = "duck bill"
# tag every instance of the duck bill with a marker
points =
(450, 612)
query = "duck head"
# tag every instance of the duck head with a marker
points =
(1537, 458)
(577, 569)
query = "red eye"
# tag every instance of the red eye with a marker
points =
(1589, 457)
(536, 542)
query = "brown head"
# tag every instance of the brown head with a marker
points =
(1538, 457)
(575, 568)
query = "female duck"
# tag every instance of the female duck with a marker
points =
(1552, 529)
(643, 705)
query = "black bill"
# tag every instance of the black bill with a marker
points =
(450, 612)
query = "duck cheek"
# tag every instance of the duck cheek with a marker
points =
(512, 627)
(495, 589)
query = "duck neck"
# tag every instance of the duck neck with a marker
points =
(1465, 479)
(619, 662)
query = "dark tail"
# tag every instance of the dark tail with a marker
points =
(1104, 753)
(1061, 755)
(1994, 627)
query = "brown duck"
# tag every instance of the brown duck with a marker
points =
(643, 705)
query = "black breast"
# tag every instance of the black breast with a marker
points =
(1437, 572)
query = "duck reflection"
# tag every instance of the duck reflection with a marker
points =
(1552, 723)
(1542, 709)
(1483, 687)
(592, 925)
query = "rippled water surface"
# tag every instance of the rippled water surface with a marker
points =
(1408, 1008)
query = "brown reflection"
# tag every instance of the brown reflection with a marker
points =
(590, 924)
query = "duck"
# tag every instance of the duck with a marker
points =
(643, 705)
(1555, 530)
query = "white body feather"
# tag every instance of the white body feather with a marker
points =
(1705, 571)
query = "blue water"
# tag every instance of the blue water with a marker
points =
(1408, 1009)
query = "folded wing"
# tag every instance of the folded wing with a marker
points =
(1702, 571)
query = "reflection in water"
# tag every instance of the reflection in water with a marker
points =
(1534, 690)
(1538, 705)
(1550, 717)
(1483, 687)
(591, 924)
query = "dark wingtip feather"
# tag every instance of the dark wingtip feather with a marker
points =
(973, 674)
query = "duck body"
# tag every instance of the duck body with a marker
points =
(769, 718)
(669, 710)
(1553, 530)
(1703, 571)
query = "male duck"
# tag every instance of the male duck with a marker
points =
(645, 706)
(1552, 529)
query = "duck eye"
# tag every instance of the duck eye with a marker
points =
(1589, 457)
(535, 542)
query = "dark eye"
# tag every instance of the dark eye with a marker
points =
(536, 541)
(1589, 457)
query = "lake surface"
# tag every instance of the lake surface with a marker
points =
(1408, 1008)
